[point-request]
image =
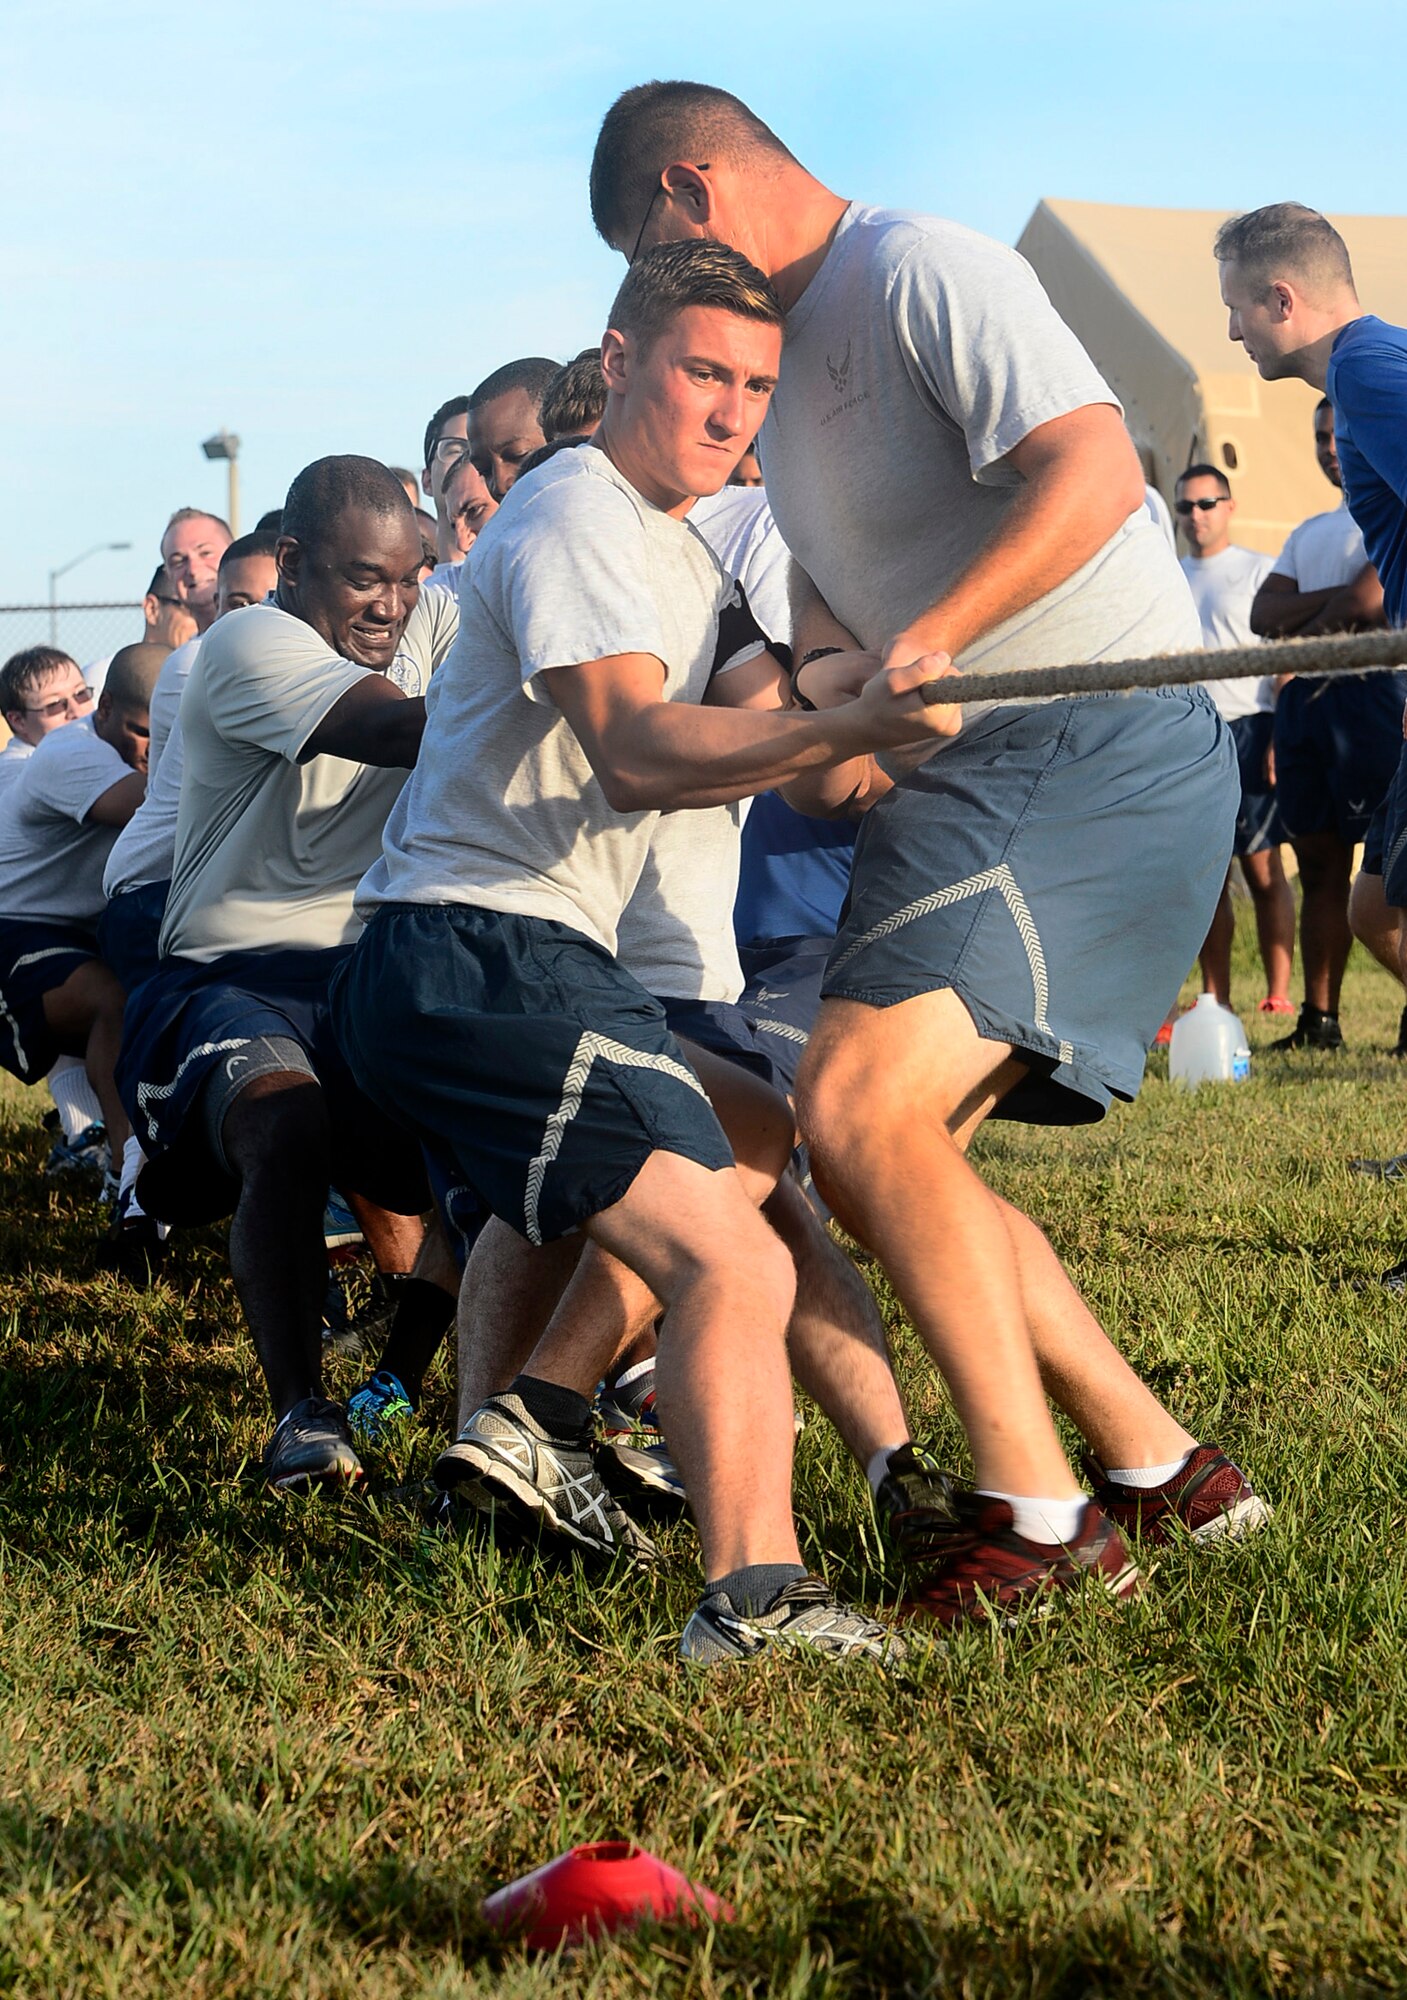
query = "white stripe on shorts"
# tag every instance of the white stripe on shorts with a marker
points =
(589, 1050)
(1004, 882)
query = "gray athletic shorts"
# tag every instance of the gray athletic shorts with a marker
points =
(1057, 868)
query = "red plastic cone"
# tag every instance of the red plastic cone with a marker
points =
(611, 1885)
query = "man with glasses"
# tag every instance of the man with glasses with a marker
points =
(40, 689)
(953, 477)
(58, 821)
(1224, 580)
(446, 442)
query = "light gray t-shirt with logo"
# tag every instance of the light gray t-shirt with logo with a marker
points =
(269, 851)
(51, 853)
(920, 355)
(503, 810)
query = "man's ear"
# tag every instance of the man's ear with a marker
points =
(616, 349)
(425, 483)
(13, 718)
(288, 559)
(688, 187)
(1285, 298)
(104, 707)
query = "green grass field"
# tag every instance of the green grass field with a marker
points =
(254, 1747)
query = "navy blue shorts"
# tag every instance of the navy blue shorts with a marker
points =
(1337, 742)
(522, 1052)
(129, 931)
(782, 997)
(196, 1031)
(724, 1030)
(34, 959)
(1057, 867)
(1258, 824)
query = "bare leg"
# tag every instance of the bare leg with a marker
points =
(1375, 924)
(1274, 903)
(1215, 955)
(393, 1240)
(277, 1142)
(878, 1093)
(698, 1243)
(836, 1337)
(509, 1293)
(1326, 865)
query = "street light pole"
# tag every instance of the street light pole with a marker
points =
(63, 569)
(225, 445)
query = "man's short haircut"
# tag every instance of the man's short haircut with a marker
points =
(534, 374)
(326, 489)
(269, 523)
(575, 398)
(194, 514)
(1206, 472)
(23, 672)
(132, 673)
(1319, 409)
(674, 276)
(259, 542)
(655, 123)
(158, 577)
(1285, 240)
(457, 406)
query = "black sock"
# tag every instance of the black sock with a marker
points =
(423, 1317)
(561, 1412)
(752, 1589)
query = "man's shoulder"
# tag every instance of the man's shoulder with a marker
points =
(259, 636)
(176, 667)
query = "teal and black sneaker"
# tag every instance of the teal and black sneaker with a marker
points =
(379, 1407)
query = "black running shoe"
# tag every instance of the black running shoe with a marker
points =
(504, 1459)
(132, 1246)
(1395, 1279)
(915, 1504)
(803, 1615)
(1394, 1169)
(1313, 1030)
(312, 1447)
(1401, 1049)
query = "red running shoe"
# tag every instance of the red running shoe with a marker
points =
(1270, 1005)
(988, 1570)
(1163, 1038)
(1210, 1499)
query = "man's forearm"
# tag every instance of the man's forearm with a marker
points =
(1277, 614)
(675, 755)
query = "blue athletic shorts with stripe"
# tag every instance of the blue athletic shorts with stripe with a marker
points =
(782, 997)
(1258, 823)
(525, 1054)
(195, 1034)
(1337, 742)
(1385, 845)
(1057, 867)
(723, 1029)
(34, 959)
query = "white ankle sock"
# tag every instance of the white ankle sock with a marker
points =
(77, 1102)
(1042, 1520)
(877, 1469)
(1150, 1475)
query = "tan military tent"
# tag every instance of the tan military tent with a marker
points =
(1139, 286)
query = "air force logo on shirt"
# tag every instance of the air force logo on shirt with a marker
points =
(839, 371)
(404, 672)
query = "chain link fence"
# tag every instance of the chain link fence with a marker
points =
(86, 631)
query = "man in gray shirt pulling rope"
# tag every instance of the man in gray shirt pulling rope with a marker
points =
(953, 476)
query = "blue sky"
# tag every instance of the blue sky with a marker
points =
(312, 223)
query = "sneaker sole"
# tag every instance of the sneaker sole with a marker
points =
(490, 1486)
(308, 1482)
(1242, 1519)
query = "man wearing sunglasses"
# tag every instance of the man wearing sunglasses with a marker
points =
(1224, 580)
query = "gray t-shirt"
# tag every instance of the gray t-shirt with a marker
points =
(676, 933)
(1223, 589)
(145, 850)
(1323, 553)
(920, 355)
(503, 810)
(269, 851)
(13, 759)
(51, 858)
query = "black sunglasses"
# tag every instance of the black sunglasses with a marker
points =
(1202, 506)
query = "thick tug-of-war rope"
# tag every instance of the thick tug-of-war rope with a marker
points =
(1341, 653)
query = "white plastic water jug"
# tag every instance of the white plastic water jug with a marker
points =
(1209, 1046)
